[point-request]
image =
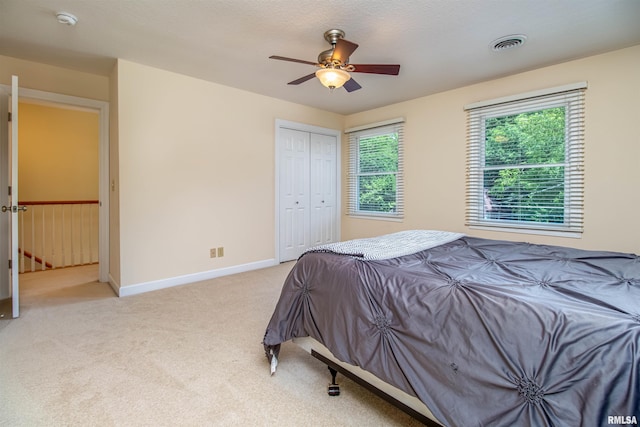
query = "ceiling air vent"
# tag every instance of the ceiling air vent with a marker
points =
(508, 42)
(66, 18)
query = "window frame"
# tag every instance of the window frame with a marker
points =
(571, 97)
(368, 131)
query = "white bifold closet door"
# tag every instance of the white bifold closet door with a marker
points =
(308, 191)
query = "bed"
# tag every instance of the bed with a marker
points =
(477, 331)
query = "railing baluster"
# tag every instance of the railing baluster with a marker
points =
(90, 234)
(63, 238)
(21, 241)
(43, 240)
(81, 234)
(72, 228)
(33, 239)
(53, 236)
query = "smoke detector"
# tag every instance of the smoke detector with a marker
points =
(66, 18)
(508, 42)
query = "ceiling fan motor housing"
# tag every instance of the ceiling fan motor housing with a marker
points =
(331, 36)
(325, 58)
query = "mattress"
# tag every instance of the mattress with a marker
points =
(483, 332)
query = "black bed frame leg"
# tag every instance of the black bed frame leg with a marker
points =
(334, 389)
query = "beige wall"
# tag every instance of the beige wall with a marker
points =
(196, 171)
(436, 142)
(48, 78)
(58, 153)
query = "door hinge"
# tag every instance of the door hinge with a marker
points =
(9, 116)
(10, 264)
(9, 190)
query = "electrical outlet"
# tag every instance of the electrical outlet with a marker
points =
(220, 251)
(212, 253)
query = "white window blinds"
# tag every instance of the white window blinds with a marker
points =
(376, 184)
(525, 161)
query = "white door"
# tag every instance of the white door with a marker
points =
(294, 193)
(308, 183)
(323, 189)
(5, 241)
(9, 199)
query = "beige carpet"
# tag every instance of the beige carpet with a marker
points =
(187, 356)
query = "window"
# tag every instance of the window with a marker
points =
(525, 161)
(375, 170)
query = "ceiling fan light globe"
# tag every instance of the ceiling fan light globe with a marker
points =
(332, 77)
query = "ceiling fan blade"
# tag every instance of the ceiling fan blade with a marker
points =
(351, 85)
(284, 58)
(302, 79)
(390, 69)
(343, 50)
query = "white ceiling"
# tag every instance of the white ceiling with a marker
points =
(440, 44)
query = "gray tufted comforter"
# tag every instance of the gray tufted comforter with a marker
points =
(484, 332)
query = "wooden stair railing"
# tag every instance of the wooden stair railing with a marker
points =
(58, 233)
(29, 255)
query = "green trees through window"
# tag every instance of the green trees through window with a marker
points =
(524, 166)
(377, 173)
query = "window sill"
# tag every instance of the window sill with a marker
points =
(377, 217)
(540, 232)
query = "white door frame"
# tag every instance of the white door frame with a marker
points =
(280, 124)
(102, 108)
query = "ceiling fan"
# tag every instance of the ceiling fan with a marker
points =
(335, 67)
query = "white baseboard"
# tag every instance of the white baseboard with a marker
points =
(155, 285)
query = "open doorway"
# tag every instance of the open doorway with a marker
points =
(59, 186)
(101, 110)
